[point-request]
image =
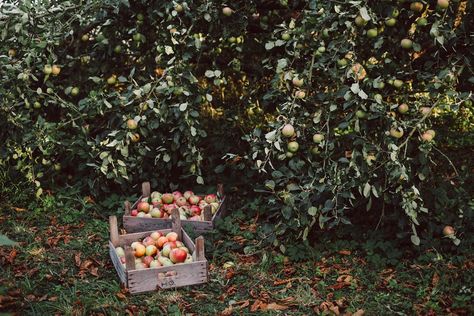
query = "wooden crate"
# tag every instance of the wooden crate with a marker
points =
(133, 224)
(151, 279)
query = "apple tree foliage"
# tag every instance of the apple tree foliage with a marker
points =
(207, 79)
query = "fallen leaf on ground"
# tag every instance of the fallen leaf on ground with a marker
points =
(227, 311)
(345, 252)
(435, 280)
(12, 256)
(274, 306)
(256, 305)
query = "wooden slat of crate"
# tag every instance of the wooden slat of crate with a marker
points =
(117, 264)
(150, 280)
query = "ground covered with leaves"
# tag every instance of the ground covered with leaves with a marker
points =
(61, 266)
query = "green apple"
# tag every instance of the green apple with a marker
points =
(293, 146)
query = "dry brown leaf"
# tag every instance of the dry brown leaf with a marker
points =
(12, 256)
(344, 278)
(227, 311)
(229, 274)
(94, 271)
(360, 312)
(77, 259)
(345, 252)
(256, 305)
(435, 280)
(18, 209)
(274, 306)
(243, 304)
(53, 299)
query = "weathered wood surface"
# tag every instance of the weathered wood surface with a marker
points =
(117, 264)
(146, 189)
(133, 224)
(113, 230)
(128, 207)
(129, 258)
(155, 278)
(176, 223)
(199, 253)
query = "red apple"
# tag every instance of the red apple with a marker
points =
(134, 212)
(156, 213)
(188, 194)
(139, 250)
(448, 231)
(156, 203)
(210, 198)
(195, 210)
(151, 250)
(178, 255)
(169, 207)
(171, 244)
(156, 235)
(194, 199)
(177, 194)
(147, 260)
(181, 201)
(172, 236)
(161, 241)
(148, 241)
(143, 207)
(167, 198)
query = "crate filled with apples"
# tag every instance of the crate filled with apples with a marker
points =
(159, 259)
(152, 210)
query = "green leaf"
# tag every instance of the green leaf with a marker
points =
(200, 180)
(415, 240)
(183, 107)
(366, 191)
(312, 211)
(270, 184)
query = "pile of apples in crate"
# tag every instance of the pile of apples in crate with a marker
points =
(157, 250)
(190, 206)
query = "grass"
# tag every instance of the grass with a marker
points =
(62, 267)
